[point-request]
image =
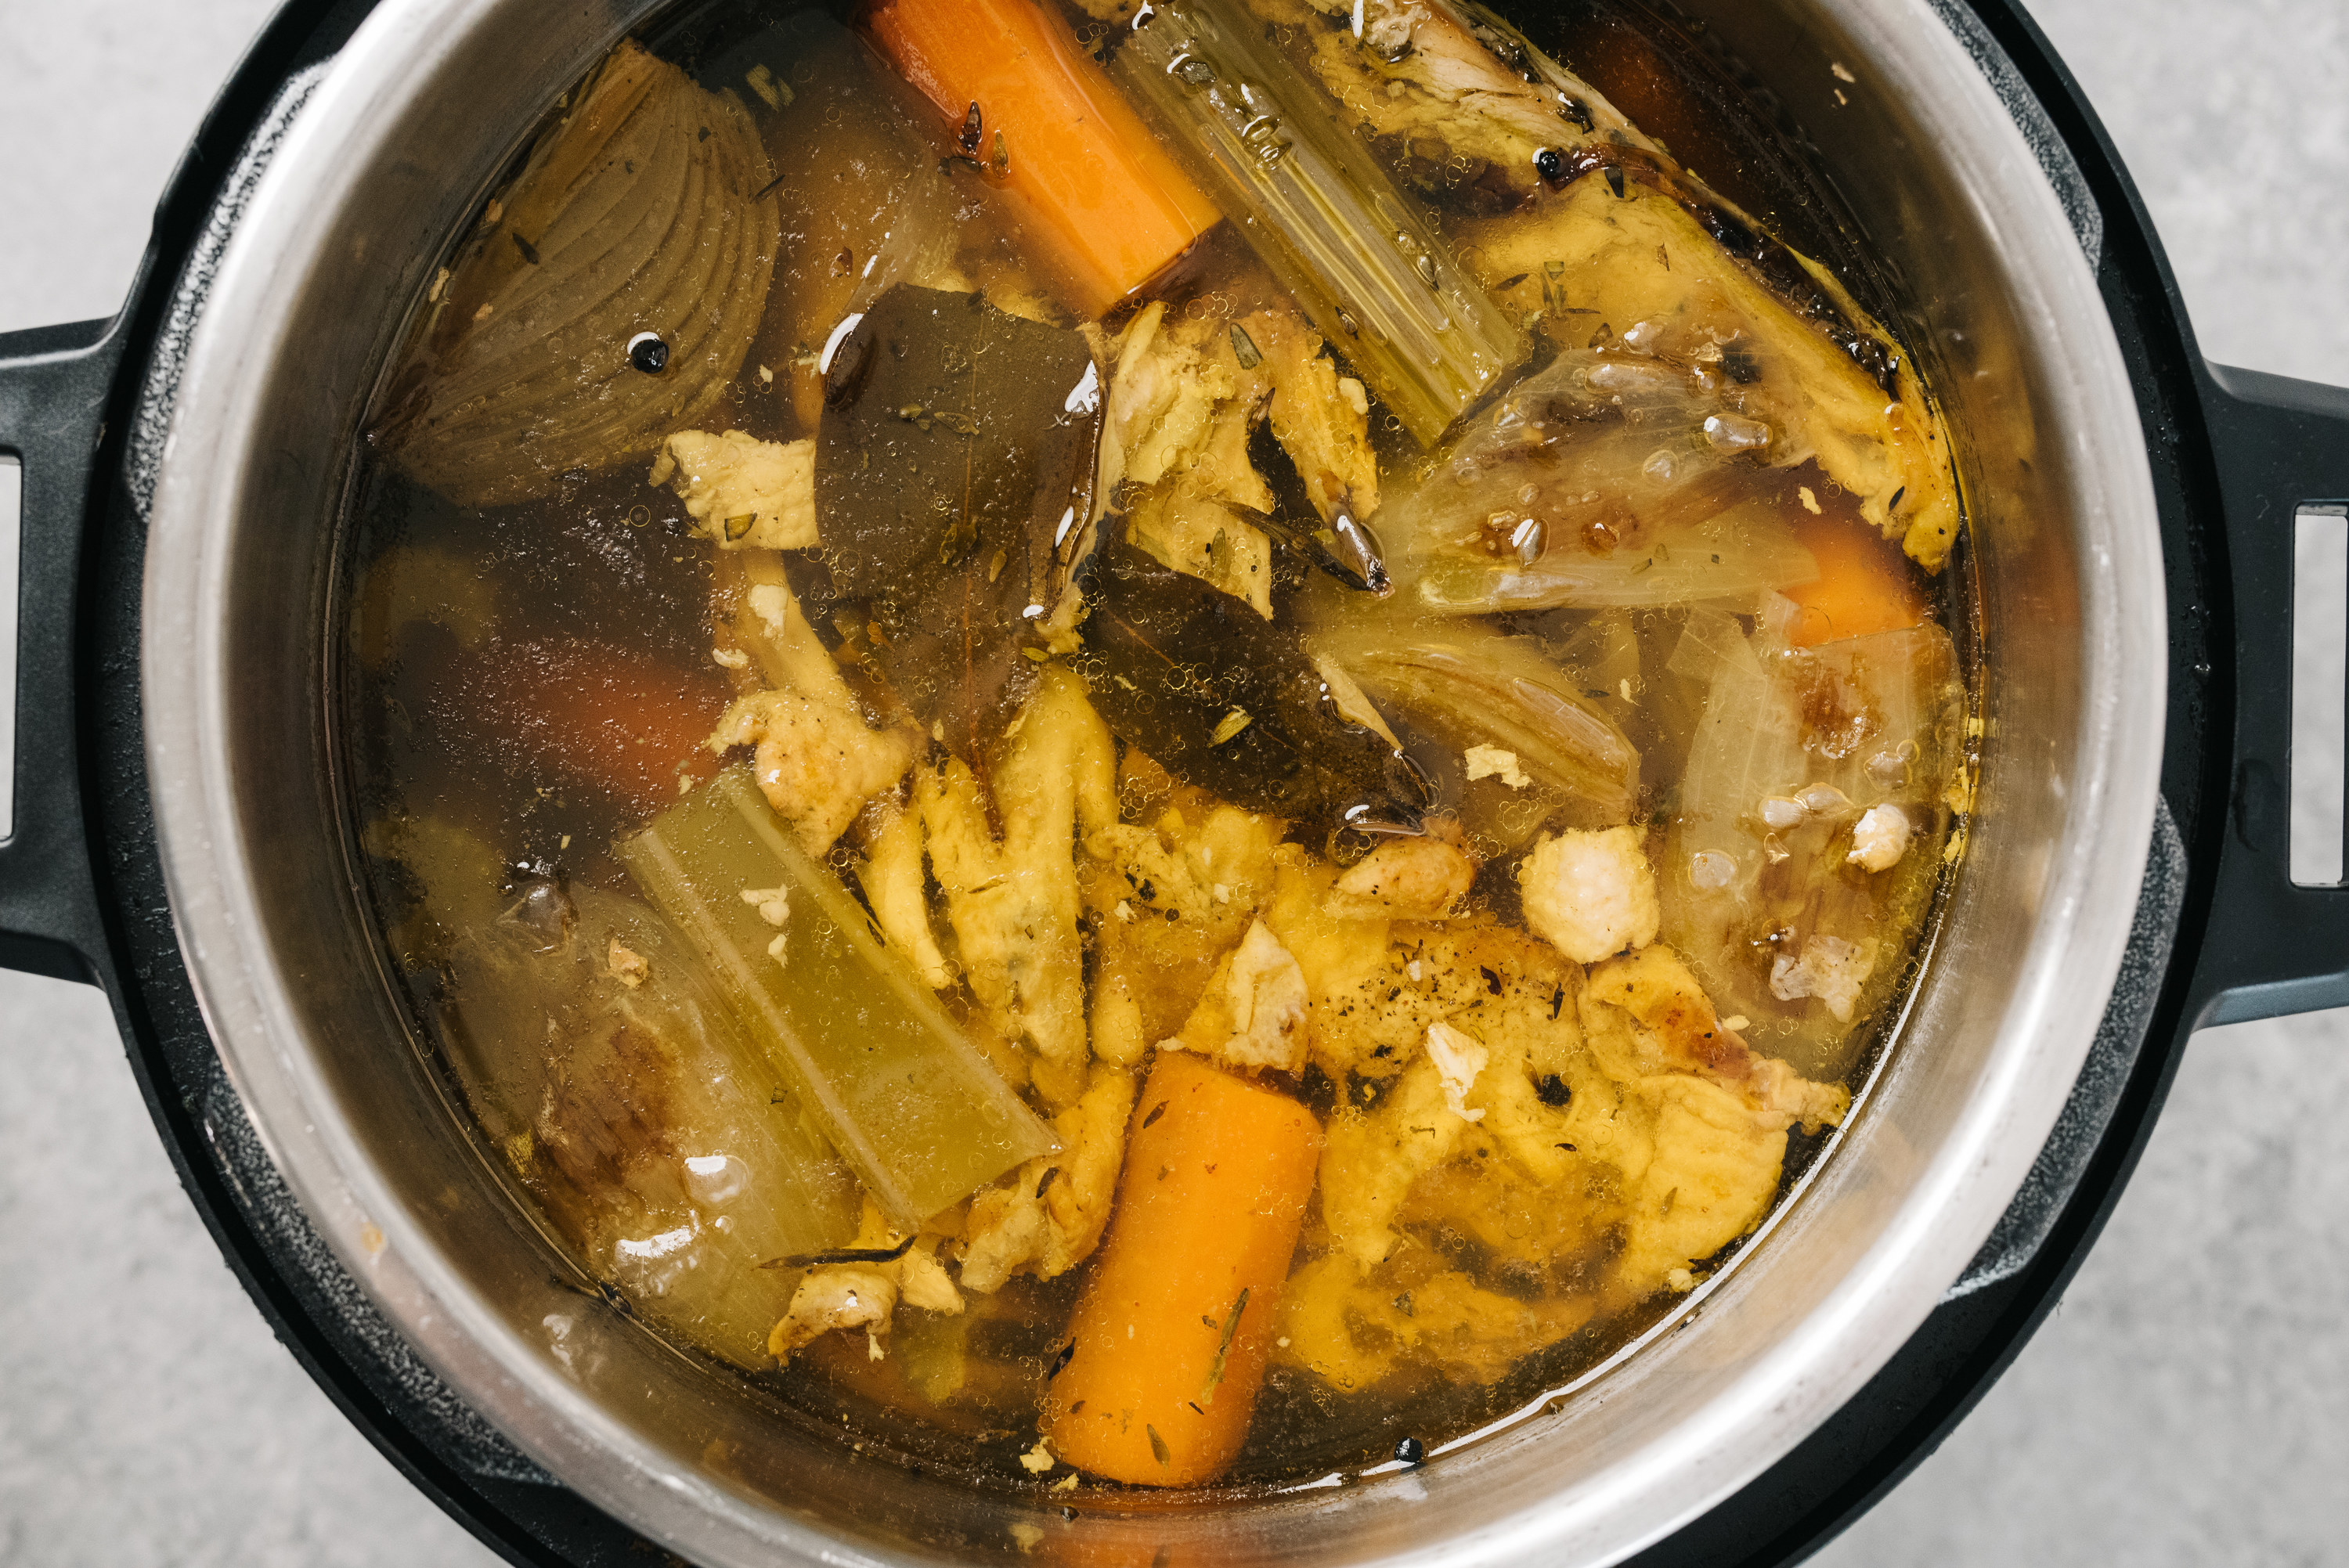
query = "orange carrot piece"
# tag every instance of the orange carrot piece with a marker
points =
(1090, 177)
(1864, 585)
(626, 725)
(1171, 1335)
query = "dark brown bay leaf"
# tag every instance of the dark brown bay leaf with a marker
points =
(1229, 701)
(954, 473)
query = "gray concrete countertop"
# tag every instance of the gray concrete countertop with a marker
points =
(2183, 1406)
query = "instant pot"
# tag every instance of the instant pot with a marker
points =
(179, 837)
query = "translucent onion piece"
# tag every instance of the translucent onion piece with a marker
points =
(662, 1143)
(634, 215)
(1594, 484)
(1313, 201)
(1866, 721)
(1503, 693)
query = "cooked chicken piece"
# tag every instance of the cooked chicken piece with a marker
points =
(1013, 902)
(866, 1295)
(1592, 1156)
(817, 763)
(1373, 1001)
(759, 621)
(1005, 1232)
(1645, 1014)
(1170, 898)
(1353, 705)
(1403, 879)
(1645, 257)
(1206, 538)
(1458, 122)
(1184, 394)
(1711, 1179)
(1460, 1059)
(625, 965)
(1050, 1216)
(1320, 419)
(1828, 968)
(891, 874)
(1880, 839)
(1180, 401)
(741, 491)
(1252, 1014)
(846, 1296)
(1352, 1329)
(1339, 954)
(1590, 894)
(1118, 1036)
(1370, 1160)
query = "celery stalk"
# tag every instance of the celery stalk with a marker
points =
(917, 1113)
(1267, 146)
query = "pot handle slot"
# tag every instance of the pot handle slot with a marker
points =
(2274, 946)
(53, 386)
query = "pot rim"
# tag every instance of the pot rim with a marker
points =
(218, 439)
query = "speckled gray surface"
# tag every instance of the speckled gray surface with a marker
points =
(2183, 1407)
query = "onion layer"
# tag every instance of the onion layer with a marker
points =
(638, 213)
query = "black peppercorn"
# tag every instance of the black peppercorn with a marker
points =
(648, 352)
(1411, 1451)
(1550, 165)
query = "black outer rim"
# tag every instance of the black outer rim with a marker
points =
(1787, 1514)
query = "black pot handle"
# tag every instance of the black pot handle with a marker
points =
(53, 388)
(2273, 946)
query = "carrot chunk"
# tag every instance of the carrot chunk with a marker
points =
(1022, 101)
(1863, 585)
(595, 715)
(1170, 1337)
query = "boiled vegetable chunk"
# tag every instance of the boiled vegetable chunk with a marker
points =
(1795, 746)
(1604, 480)
(1170, 1336)
(614, 1079)
(1495, 707)
(1861, 589)
(1022, 101)
(912, 1107)
(1320, 209)
(639, 212)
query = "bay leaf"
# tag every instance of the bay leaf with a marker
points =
(1227, 700)
(954, 474)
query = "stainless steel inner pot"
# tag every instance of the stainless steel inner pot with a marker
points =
(402, 135)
